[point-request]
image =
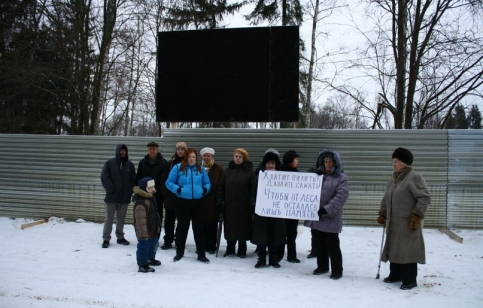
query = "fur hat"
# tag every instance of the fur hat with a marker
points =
(403, 155)
(146, 182)
(243, 152)
(289, 157)
(207, 151)
(271, 154)
(181, 145)
(153, 144)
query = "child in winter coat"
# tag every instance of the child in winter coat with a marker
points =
(147, 224)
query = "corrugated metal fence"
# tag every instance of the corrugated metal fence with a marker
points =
(45, 175)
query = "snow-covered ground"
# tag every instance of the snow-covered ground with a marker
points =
(62, 264)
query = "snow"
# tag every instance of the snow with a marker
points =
(62, 264)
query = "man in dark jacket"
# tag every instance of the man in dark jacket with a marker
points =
(153, 165)
(118, 177)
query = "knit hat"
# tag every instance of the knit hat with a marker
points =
(146, 182)
(181, 145)
(153, 144)
(243, 152)
(207, 151)
(403, 155)
(289, 157)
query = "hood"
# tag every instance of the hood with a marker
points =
(319, 162)
(118, 148)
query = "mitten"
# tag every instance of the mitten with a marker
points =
(414, 222)
(381, 219)
(321, 211)
(204, 191)
(179, 190)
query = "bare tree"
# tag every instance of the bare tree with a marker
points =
(317, 10)
(425, 56)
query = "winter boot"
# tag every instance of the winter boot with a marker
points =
(274, 262)
(105, 244)
(166, 246)
(203, 259)
(261, 263)
(154, 262)
(177, 257)
(122, 241)
(145, 269)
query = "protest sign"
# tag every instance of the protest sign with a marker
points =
(294, 195)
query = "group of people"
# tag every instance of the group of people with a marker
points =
(203, 193)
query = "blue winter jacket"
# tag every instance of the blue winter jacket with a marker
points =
(190, 180)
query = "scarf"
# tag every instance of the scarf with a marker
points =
(208, 165)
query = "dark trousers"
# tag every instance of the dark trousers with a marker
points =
(272, 253)
(312, 246)
(211, 231)
(242, 247)
(291, 234)
(169, 222)
(190, 210)
(146, 250)
(160, 213)
(405, 272)
(327, 246)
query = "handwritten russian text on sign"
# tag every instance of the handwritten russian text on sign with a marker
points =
(293, 195)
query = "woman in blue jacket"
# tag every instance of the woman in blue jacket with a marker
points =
(189, 182)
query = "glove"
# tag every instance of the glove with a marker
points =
(321, 211)
(381, 219)
(204, 191)
(220, 208)
(414, 222)
(179, 190)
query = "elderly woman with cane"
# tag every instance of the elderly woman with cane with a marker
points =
(402, 211)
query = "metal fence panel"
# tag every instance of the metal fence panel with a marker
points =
(45, 175)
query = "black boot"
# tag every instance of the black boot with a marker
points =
(274, 262)
(261, 263)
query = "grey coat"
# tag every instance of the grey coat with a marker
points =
(405, 194)
(334, 194)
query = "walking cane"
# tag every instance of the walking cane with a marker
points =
(380, 253)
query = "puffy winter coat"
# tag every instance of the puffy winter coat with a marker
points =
(118, 178)
(405, 194)
(147, 222)
(333, 196)
(234, 193)
(190, 180)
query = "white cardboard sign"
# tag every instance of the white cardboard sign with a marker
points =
(294, 195)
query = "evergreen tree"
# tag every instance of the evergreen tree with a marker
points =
(290, 11)
(474, 117)
(457, 119)
(200, 14)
